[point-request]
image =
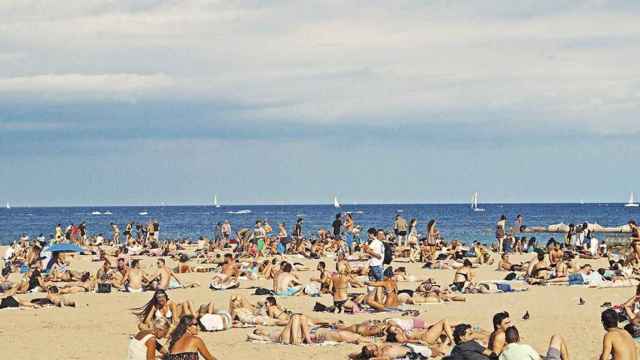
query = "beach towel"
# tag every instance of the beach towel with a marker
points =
(233, 284)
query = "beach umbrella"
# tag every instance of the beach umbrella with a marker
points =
(67, 248)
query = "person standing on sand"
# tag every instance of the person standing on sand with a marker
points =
(617, 343)
(337, 226)
(400, 228)
(226, 232)
(115, 239)
(501, 227)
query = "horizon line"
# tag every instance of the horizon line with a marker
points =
(310, 204)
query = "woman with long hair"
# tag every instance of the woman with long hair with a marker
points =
(184, 343)
(160, 306)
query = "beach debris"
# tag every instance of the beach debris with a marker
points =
(526, 316)
(581, 302)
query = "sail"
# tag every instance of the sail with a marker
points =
(336, 204)
(215, 201)
(631, 198)
(8, 206)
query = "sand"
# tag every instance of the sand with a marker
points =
(99, 327)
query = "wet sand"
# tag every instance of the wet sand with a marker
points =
(100, 325)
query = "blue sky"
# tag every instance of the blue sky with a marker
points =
(143, 102)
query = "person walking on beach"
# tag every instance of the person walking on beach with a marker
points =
(115, 239)
(400, 229)
(226, 232)
(617, 343)
(501, 226)
(337, 226)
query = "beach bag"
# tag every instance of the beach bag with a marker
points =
(388, 254)
(263, 291)
(103, 288)
(318, 307)
(511, 276)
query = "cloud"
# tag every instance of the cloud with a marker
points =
(494, 64)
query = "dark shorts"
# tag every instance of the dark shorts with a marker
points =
(553, 354)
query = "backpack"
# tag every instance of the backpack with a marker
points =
(388, 254)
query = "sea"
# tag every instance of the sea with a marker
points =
(455, 221)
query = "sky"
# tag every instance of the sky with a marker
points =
(259, 102)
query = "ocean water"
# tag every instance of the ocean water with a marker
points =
(455, 221)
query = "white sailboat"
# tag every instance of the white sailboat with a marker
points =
(336, 204)
(8, 206)
(215, 201)
(474, 202)
(632, 202)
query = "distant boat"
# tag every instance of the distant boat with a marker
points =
(215, 201)
(336, 204)
(143, 213)
(239, 212)
(632, 202)
(107, 212)
(96, 213)
(474, 202)
(8, 206)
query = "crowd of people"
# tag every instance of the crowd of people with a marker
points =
(363, 280)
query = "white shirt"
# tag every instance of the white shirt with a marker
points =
(517, 351)
(378, 248)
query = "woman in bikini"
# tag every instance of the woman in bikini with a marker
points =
(161, 307)
(339, 285)
(298, 331)
(464, 276)
(184, 343)
(390, 288)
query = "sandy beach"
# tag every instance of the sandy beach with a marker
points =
(100, 325)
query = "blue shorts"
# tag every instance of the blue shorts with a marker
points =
(289, 292)
(576, 279)
(375, 273)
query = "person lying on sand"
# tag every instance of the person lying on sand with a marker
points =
(366, 328)
(246, 313)
(87, 284)
(53, 298)
(415, 331)
(428, 292)
(395, 351)
(298, 332)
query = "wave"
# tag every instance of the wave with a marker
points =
(96, 213)
(143, 213)
(239, 212)
(107, 212)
